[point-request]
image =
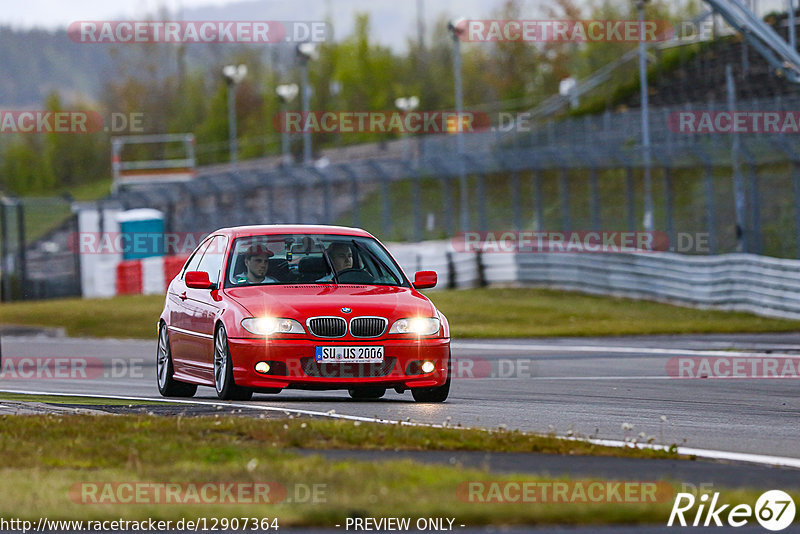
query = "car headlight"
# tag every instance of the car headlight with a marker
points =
(266, 326)
(421, 326)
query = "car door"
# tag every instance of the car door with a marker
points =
(180, 310)
(204, 305)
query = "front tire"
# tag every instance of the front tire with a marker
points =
(223, 370)
(168, 386)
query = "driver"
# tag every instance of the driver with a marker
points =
(256, 261)
(341, 256)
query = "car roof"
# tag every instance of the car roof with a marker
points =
(275, 229)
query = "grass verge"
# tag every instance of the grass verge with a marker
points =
(64, 399)
(517, 312)
(54, 465)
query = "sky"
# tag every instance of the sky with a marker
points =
(392, 21)
(55, 13)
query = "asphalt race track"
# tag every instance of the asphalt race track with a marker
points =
(589, 386)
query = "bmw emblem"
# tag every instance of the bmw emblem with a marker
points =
(346, 310)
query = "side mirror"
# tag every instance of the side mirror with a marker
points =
(425, 279)
(198, 280)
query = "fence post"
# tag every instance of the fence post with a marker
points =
(326, 195)
(483, 223)
(563, 187)
(5, 277)
(742, 238)
(416, 206)
(76, 254)
(710, 217)
(515, 200)
(451, 271)
(755, 210)
(270, 203)
(796, 187)
(298, 203)
(448, 205)
(630, 199)
(353, 196)
(669, 207)
(386, 207)
(538, 201)
(23, 266)
(595, 198)
(481, 268)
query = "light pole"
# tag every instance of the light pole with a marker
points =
(305, 53)
(405, 105)
(286, 93)
(457, 28)
(648, 182)
(233, 76)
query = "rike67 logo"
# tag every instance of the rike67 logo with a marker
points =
(774, 510)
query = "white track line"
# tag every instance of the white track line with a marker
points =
(759, 459)
(612, 349)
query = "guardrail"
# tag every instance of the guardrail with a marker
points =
(741, 282)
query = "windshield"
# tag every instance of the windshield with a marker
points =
(310, 259)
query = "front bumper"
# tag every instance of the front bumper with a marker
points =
(292, 364)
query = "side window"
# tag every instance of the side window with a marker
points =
(194, 261)
(213, 258)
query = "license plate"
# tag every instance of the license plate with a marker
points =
(337, 354)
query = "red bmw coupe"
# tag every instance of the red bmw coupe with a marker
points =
(263, 308)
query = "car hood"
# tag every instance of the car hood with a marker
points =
(308, 300)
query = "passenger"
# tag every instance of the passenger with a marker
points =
(256, 261)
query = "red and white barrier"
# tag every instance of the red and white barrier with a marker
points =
(148, 276)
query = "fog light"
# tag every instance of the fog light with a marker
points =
(262, 367)
(428, 367)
